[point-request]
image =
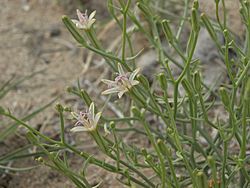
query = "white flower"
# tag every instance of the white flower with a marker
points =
(86, 121)
(84, 21)
(122, 83)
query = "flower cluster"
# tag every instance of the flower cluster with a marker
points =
(87, 121)
(124, 81)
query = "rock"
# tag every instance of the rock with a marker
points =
(214, 70)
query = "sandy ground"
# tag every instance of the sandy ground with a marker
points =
(33, 39)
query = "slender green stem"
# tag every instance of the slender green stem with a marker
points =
(224, 14)
(224, 163)
(217, 16)
(183, 19)
(176, 138)
(124, 30)
(94, 40)
(62, 126)
(112, 168)
(162, 163)
(31, 129)
(112, 12)
(186, 68)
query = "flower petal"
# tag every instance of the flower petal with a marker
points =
(134, 82)
(79, 129)
(120, 94)
(110, 91)
(109, 82)
(79, 123)
(85, 122)
(97, 116)
(92, 15)
(92, 111)
(80, 16)
(133, 74)
(91, 22)
(74, 115)
(78, 24)
(75, 21)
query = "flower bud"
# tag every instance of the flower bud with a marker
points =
(40, 159)
(167, 31)
(162, 147)
(136, 112)
(208, 26)
(59, 107)
(143, 8)
(197, 81)
(196, 5)
(112, 125)
(225, 32)
(195, 20)
(67, 109)
(149, 159)
(69, 89)
(163, 81)
(144, 81)
(188, 88)
(210, 161)
(201, 179)
(72, 29)
(224, 97)
(144, 152)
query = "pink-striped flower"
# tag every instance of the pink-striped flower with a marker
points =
(122, 83)
(84, 21)
(86, 121)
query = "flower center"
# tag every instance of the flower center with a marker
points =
(121, 78)
(85, 116)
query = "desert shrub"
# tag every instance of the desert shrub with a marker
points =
(184, 143)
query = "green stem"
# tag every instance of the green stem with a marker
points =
(31, 129)
(183, 20)
(124, 30)
(224, 163)
(94, 40)
(186, 68)
(112, 168)
(62, 126)
(162, 163)
(176, 137)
